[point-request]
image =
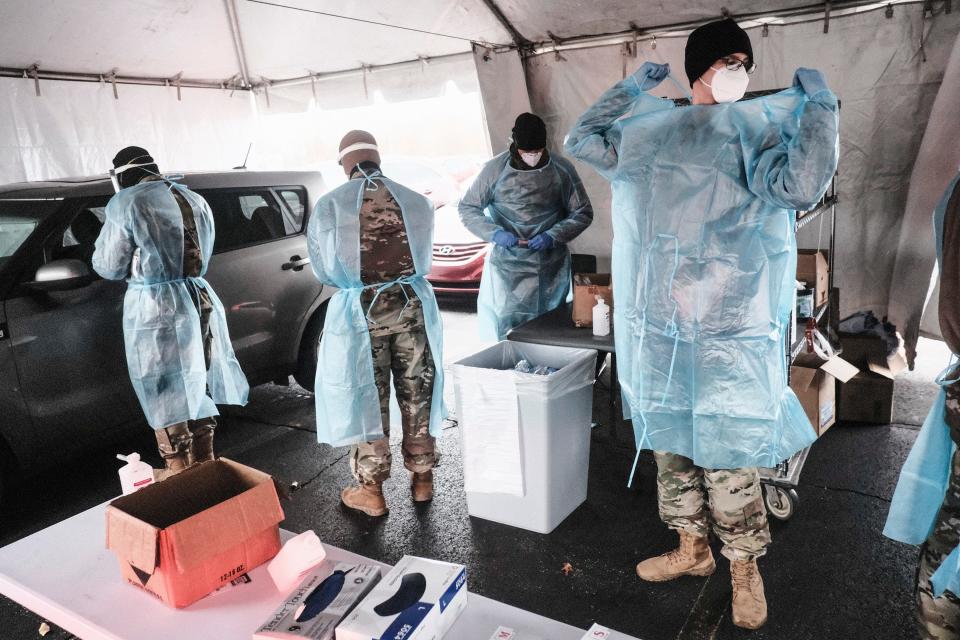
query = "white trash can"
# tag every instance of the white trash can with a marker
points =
(525, 437)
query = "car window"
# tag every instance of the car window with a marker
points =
(245, 217)
(18, 219)
(78, 240)
(296, 201)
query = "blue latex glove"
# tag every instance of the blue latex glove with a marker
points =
(650, 74)
(540, 242)
(811, 81)
(505, 239)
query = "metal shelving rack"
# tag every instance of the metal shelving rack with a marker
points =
(780, 483)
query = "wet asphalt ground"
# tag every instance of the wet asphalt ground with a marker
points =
(829, 573)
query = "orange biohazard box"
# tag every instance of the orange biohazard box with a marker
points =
(187, 536)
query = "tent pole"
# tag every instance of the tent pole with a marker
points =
(234, 19)
(38, 74)
(838, 7)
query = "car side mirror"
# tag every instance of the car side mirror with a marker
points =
(61, 275)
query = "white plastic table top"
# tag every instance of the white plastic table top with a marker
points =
(66, 575)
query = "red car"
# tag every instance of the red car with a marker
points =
(458, 255)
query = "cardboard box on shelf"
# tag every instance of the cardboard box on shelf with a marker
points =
(586, 287)
(814, 381)
(187, 536)
(867, 398)
(314, 610)
(813, 268)
(418, 599)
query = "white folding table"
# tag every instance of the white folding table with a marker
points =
(66, 575)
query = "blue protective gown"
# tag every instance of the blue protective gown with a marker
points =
(925, 476)
(704, 262)
(161, 326)
(519, 284)
(347, 400)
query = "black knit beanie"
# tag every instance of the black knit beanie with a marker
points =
(137, 155)
(529, 132)
(713, 41)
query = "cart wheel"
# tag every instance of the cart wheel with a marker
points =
(781, 503)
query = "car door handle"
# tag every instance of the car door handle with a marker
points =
(296, 263)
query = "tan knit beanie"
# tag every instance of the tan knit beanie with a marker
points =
(356, 147)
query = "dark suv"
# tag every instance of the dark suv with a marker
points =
(63, 375)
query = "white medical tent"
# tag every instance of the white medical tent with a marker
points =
(198, 81)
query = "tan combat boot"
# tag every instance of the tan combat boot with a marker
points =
(692, 558)
(202, 431)
(175, 444)
(422, 487)
(749, 602)
(367, 498)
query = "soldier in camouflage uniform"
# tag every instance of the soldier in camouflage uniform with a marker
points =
(398, 341)
(940, 617)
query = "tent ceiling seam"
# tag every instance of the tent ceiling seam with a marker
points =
(387, 25)
(519, 40)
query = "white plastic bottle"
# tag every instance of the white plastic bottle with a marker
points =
(134, 475)
(601, 318)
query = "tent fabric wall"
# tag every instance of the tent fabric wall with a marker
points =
(937, 164)
(887, 90)
(506, 95)
(75, 128)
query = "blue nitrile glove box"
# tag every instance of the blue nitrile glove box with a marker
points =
(419, 599)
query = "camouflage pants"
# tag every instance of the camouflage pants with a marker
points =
(407, 355)
(731, 500)
(940, 617)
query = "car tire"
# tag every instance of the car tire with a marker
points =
(306, 372)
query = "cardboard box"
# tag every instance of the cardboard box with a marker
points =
(348, 584)
(867, 398)
(868, 351)
(187, 536)
(586, 288)
(814, 269)
(418, 600)
(814, 382)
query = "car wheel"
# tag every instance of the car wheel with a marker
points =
(306, 372)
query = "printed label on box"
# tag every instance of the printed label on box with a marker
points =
(826, 414)
(596, 632)
(503, 633)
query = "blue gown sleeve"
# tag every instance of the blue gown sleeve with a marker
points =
(795, 173)
(478, 197)
(114, 248)
(321, 238)
(579, 210)
(595, 138)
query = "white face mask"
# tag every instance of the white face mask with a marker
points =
(728, 86)
(531, 159)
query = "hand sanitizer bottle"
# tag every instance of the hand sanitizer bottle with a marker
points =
(601, 318)
(135, 475)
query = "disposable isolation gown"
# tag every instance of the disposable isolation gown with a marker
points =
(519, 284)
(348, 403)
(925, 476)
(704, 261)
(161, 326)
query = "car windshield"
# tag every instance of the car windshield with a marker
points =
(18, 219)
